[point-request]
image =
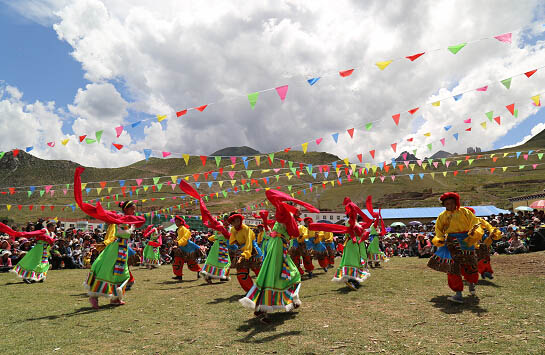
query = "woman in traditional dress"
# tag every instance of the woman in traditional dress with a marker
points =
(109, 274)
(151, 254)
(278, 283)
(34, 265)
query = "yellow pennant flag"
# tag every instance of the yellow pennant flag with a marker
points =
(65, 141)
(305, 146)
(174, 178)
(220, 183)
(436, 103)
(367, 166)
(424, 165)
(257, 159)
(99, 189)
(109, 189)
(427, 134)
(492, 155)
(383, 65)
(483, 124)
(186, 178)
(346, 161)
(160, 118)
(8, 207)
(536, 101)
(374, 168)
(432, 176)
(505, 154)
(337, 170)
(83, 185)
(186, 158)
(146, 188)
(504, 168)
(353, 167)
(217, 194)
(233, 182)
(102, 199)
(332, 182)
(265, 171)
(444, 173)
(412, 166)
(143, 201)
(289, 176)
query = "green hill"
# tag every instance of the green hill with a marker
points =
(475, 184)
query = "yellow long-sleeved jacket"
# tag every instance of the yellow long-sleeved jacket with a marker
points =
(493, 232)
(461, 220)
(327, 237)
(243, 238)
(317, 235)
(184, 235)
(303, 232)
(260, 237)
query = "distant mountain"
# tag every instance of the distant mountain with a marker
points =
(235, 151)
(441, 154)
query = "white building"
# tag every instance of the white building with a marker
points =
(82, 224)
(330, 216)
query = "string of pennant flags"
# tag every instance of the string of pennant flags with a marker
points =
(282, 92)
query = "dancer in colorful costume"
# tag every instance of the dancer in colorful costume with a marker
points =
(329, 240)
(483, 248)
(187, 251)
(278, 283)
(375, 255)
(262, 236)
(455, 239)
(218, 262)
(313, 241)
(353, 268)
(109, 274)
(151, 254)
(34, 265)
(247, 254)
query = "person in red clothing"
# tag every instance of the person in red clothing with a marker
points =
(187, 251)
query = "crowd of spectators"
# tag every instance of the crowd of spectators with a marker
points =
(522, 232)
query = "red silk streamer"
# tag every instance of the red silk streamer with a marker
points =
(284, 212)
(15, 234)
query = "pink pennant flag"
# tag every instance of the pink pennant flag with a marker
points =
(404, 156)
(534, 166)
(276, 170)
(52, 192)
(382, 178)
(118, 131)
(173, 186)
(282, 91)
(447, 163)
(406, 162)
(231, 173)
(318, 141)
(233, 160)
(506, 37)
(51, 144)
(442, 141)
(419, 162)
(47, 188)
(166, 154)
(525, 156)
(64, 191)
(138, 182)
(393, 177)
(435, 163)
(468, 120)
(484, 88)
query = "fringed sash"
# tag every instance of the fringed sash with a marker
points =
(121, 260)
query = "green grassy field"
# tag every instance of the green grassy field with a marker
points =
(402, 308)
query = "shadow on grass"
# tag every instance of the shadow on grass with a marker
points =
(487, 283)
(233, 298)
(256, 328)
(77, 312)
(82, 295)
(470, 304)
(13, 283)
(174, 282)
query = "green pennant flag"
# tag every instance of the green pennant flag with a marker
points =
(155, 180)
(224, 193)
(290, 163)
(271, 156)
(309, 169)
(458, 162)
(137, 191)
(444, 161)
(162, 198)
(2, 154)
(414, 151)
(429, 146)
(253, 99)
(490, 115)
(516, 114)
(357, 173)
(470, 161)
(277, 177)
(521, 167)
(289, 188)
(372, 179)
(206, 198)
(98, 135)
(293, 170)
(368, 126)
(540, 155)
(430, 161)
(29, 193)
(67, 186)
(159, 186)
(90, 140)
(248, 184)
(249, 173)
(455, 49)
(506, 83)
(361, 180)
(218, 161)
(42, 192)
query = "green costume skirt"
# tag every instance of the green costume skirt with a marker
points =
(353, 263)
(151, 256)
(218, 261)
(35, 264)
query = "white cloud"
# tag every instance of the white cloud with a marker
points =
(171, 55)
(534, 131)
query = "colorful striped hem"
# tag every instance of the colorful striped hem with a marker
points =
(270, 300)
(152, 262)
(215, 272)
(350, 273)
(100, 288)
(28, 274)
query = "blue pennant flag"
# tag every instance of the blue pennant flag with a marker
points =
(455, 135)
(457, 97)
(313, 80)
(335, 137)
(197, 184)
(147, 153)
(28, 149)
(215, 175)
(421, 175)
(411, 176)
(121, 182)
(447, 127)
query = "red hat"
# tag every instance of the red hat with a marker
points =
(469, 208)
(233, 216)
(452, 195)
(181, 220)
(309, 219)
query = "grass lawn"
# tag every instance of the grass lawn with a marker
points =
(402, 308)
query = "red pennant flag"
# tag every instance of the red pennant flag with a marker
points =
(282, 162)
(455, 172)
(492, 170)
(372, 152)
(196, 177)
(31, 207)
(103, 184)
(396, 118)
(414, 57)
(346, 73)
(42, 208)
(410, 139)
(15, 152)
(118, 146)
(11, 190)
(81, 138)
(413, 111)
(467, 157)
(511, 108)
(298, 172)
(181, 113)
(201, 108)
(19, 207)
(351, 132)
(386, 167)
(401, 167)
(360, 157)
(287, 150)
(468, 129)
(51, 207)
(494, 159)
(203, 159)
(497, 119)
(394, 146)
(530, 73)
